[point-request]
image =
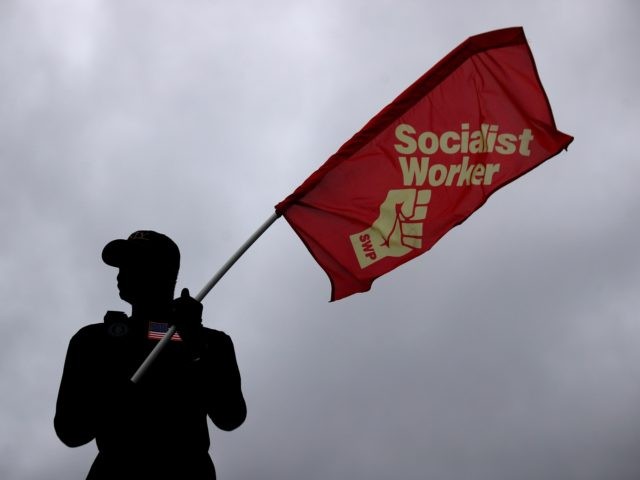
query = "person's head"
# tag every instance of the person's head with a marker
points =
(149, 262)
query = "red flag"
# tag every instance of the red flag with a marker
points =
(476, 121)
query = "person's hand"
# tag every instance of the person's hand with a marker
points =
(186, 315)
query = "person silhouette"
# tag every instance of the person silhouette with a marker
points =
(155, 428)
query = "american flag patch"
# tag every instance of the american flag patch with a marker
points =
(158, 329)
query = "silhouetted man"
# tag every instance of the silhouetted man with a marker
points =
(156, 428)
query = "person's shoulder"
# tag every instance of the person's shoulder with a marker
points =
(218, 336)
(89, 332)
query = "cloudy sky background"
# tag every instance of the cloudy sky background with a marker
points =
(509, 351)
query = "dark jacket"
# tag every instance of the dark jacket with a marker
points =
(157, 428)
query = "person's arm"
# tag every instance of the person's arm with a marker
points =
(219, 369)
(74, 420)
(214, 360)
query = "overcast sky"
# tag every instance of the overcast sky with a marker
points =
(509, 351)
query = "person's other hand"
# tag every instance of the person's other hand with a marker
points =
(186, 315)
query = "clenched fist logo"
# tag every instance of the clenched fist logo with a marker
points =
(397, 230)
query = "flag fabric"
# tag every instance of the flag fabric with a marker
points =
(476, 121)
(157, 330)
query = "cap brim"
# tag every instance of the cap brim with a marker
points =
(115, 253)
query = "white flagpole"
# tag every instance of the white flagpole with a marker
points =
(203, 293)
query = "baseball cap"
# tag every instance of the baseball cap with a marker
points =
(146, 246)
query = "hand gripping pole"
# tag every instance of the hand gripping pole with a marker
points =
(203, 293)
